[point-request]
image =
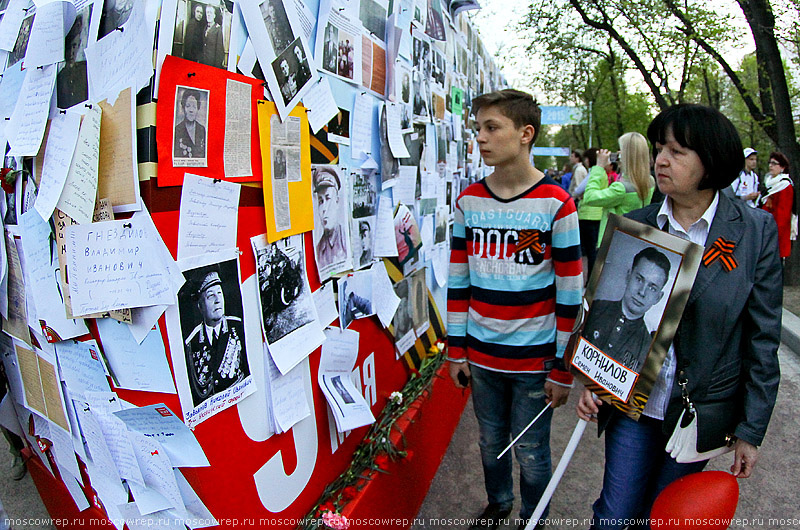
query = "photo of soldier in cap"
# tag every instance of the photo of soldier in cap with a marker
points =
(210, 305)
(617, 326)
(331, 237)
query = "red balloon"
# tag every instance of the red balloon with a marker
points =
(705, 500)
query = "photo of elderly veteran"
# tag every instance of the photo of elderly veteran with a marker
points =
(617, 327)
(190, 134)
(215, 347)
(331, 245)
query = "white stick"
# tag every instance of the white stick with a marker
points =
(557, 474)
(523, 432)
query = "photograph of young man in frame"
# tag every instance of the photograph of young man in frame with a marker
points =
(614, 274)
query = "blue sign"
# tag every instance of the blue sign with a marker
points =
(551, 151)
(562, 115)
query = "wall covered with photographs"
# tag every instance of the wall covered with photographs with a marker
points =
(226, 238)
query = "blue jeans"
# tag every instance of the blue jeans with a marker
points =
(504, 404)
(637, 469)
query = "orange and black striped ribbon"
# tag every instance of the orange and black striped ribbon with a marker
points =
(722, 250)
(529, 239)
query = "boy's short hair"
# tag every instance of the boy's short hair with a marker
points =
(517, 105)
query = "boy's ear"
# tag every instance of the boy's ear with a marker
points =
(528, 131)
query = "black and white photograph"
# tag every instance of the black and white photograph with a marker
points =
(364, 184)
(277, 24)
(364, 241)
(330, 234)
(403, 320)
(202, 32)
(636, 295)
(422, 97)
(72, 83)
(284, 296)
(191, 119)
(20, 48)
(355, 297)
(210, 305)
(440, 228)
(339, 128)
(115, 13)
(292, 70)
(373, 16)
(346, 55)
(390, 166)
(419, 302)
(330, 49)
(336, 381)
(434, 25)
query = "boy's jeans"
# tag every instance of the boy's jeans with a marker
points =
(504, 404)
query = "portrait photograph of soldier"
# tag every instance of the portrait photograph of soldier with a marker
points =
(72, 83)
(292, 70)
(210, 306)
(355, 298)
(330, 234)
(630, 299)
(277, 23)
(190, 136)
(284, 296)
(330, 48)
(202, 32)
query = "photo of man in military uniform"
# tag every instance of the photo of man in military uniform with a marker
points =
(329, 233)
(215, 348)
(617, 327)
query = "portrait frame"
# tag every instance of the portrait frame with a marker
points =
(603, 374)
(183, 151)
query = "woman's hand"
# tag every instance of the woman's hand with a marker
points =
(744, 460)
(603, 156)
(588, 406)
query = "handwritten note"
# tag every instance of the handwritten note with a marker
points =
(322, 107)
(122, 58)
(157, 472)
(208, 216)
(111, 267)
(61, 142)
(81, 367)
(136, 366)
(46, 43)
(42, 386)
(238, 128)
(26, 128)
(80, 189)
(394, 130)
(361, 132)
(288, 394)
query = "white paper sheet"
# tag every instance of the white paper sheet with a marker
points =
(208, 215)
(196, 514)
(158, 476)
(41, 271)
(361, 129)
(288, 395)
(236, 154)
(122, 451)
(27, 124)
(101, 467)
(136, 366)
(325, 300)
(111, 267)
(135, 520)
(61, 142)
(46, 43)
(384, 297)
(394, 130)
(385, 243)
(322, 107)
(80, 189)
(81, 368)
(339, 353)
(405, 188)
(75, 488)
(159, 423)
(121, 58)
(10, 87)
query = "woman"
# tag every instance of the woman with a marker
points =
(633, 190)
(725, 348)
(195, 34)
(779, 199)
(190, 135)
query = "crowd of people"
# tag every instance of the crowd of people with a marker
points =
(519, 250)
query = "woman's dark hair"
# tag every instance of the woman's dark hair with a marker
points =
(190, 93)
(591, 155)
(707, 132)
(781, 159)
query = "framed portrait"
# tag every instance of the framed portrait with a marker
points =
(190, 135)
(636, 295)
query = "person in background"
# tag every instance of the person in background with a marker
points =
(633, 190)
(745, 186)
(588, 216)
(579, 171)
(726, 349)
(779, 199)
(566, 177)
(511, 310)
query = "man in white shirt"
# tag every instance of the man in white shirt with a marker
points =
(578, 171)
(746, 184)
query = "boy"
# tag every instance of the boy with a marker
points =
(514, 293)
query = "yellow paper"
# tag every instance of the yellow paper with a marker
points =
(300, 205)
(42, 387)
(116, 178)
